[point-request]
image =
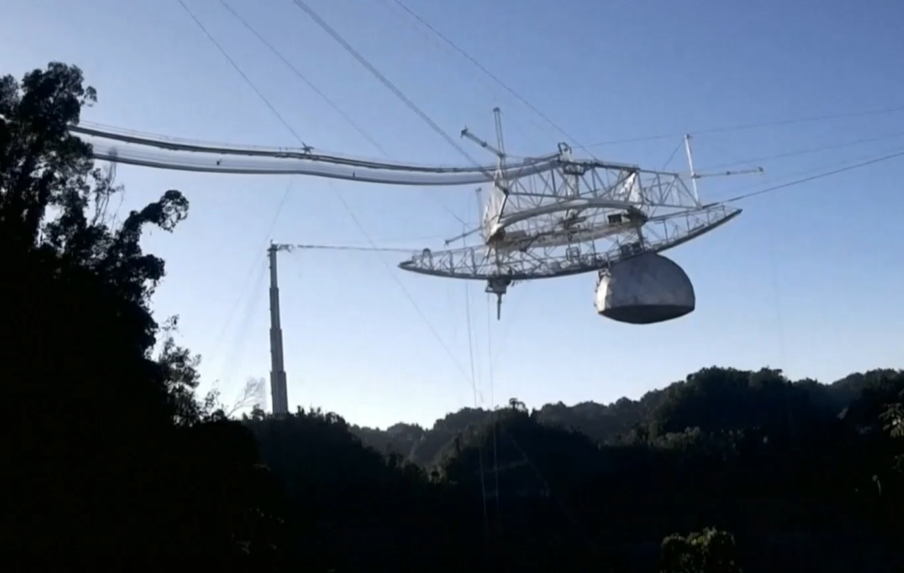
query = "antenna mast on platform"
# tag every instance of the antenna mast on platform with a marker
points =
(278, 387)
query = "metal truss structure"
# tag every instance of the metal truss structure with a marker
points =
(580, 216)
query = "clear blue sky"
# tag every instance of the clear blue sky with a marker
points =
(809, 279)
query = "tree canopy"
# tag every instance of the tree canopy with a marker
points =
(111, 457)
(108, 451)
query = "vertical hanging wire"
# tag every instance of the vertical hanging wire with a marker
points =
(483, 489)
(495, 417)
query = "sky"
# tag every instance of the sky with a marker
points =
(808, 279)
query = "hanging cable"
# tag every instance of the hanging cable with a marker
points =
(252, 271)
(480, 448)
(672, 156)
(218, 341)
(322, 95)
(483, 488)
(493, 415)
(401, 286)
(585, 537)
(235, 66)
(302, 77)
(747, 126)
(502, 84)
(342, 200)
(234, 358)
(489, 74)
(383, 79)
(561, 130)
(489, 307)
(812, 178)
(806, 151)
(777, 301)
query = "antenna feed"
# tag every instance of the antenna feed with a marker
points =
(499, 287)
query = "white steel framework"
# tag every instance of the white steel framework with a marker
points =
(579, 216)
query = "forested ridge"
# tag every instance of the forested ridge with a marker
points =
(110, 458)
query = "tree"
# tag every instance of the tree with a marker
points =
(251, 398)
(105, 440)
(516, 404)
(57, 229)
(707, 551)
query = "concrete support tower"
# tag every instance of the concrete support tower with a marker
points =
(278, 393)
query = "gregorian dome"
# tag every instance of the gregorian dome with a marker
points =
(645, 289)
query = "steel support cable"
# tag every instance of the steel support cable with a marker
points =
(483, 487)
(496, 79)
(401, 286)
(258, 260)
(672, 156)
(348, 209)
(792, 175)
(770, 245)
(810, 178)
(489, 323)
(384, 80)
(562, 507)
(481, 78)
(797, 152)
(491, 75)
(480, 448)
(779, 318)
(301, 76)
(493, 405)
(281, 119)
(320, 93)
(241, 73)
(546, 118)
(742, 127)
(234, 358)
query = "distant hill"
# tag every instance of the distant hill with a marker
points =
(605, 423)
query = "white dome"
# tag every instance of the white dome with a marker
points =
(645, 289)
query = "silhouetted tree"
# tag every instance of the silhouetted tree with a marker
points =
(103, 451)
(709, 551)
